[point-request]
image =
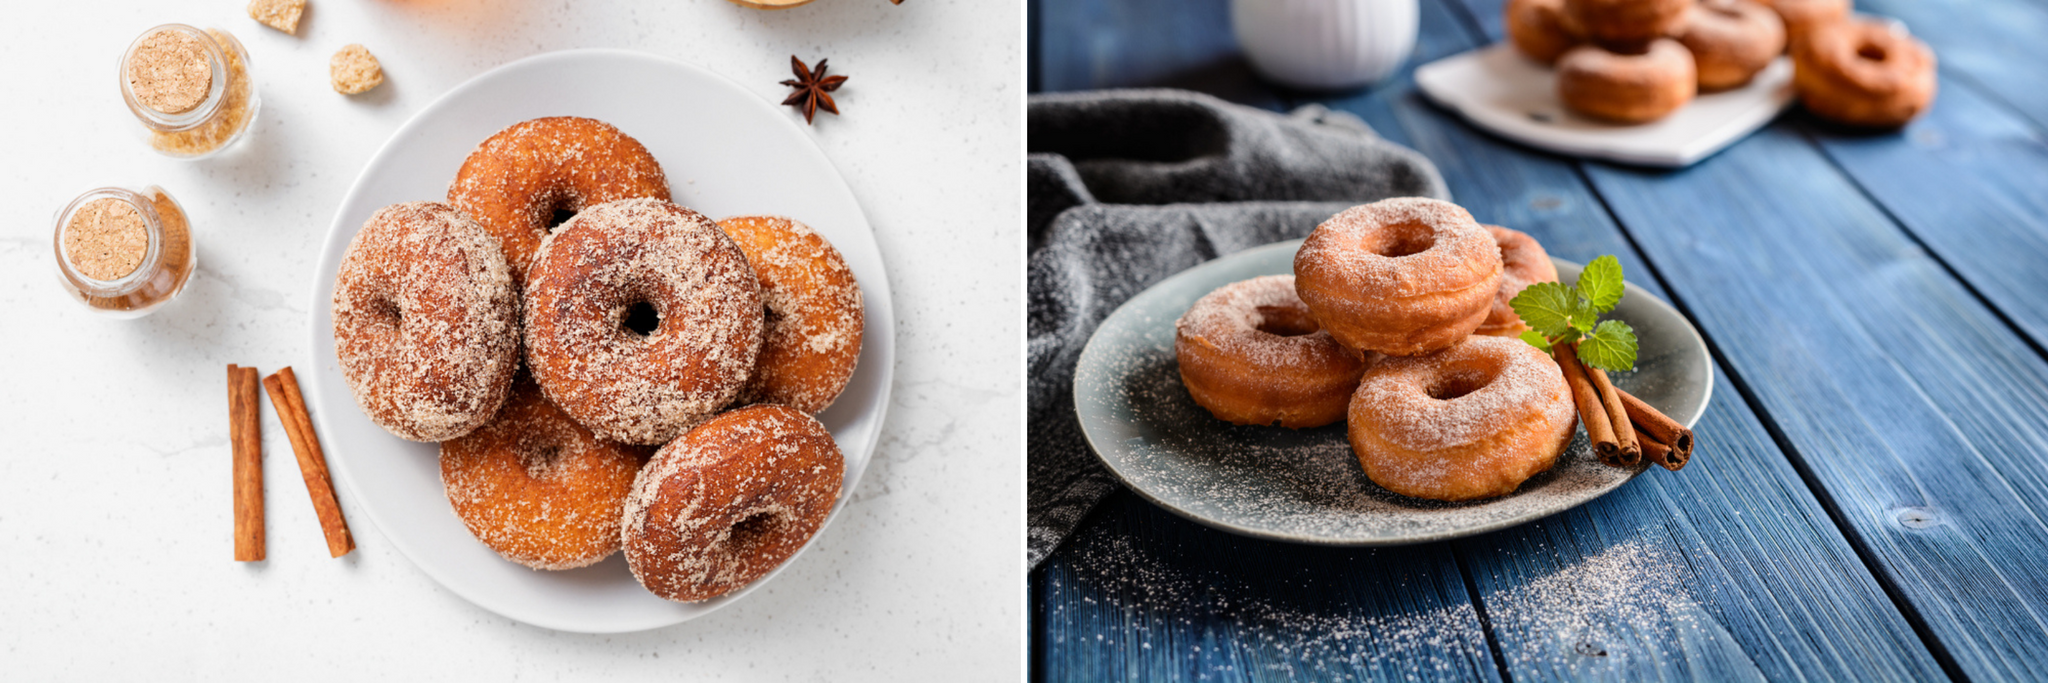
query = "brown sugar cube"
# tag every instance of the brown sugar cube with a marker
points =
(282, 15)
(354, 70)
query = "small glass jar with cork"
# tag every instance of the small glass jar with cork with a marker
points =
(191, 89)
(124, 252)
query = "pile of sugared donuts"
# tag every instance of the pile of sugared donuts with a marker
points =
(558, 319)
(1396, 319)
(1635, 61)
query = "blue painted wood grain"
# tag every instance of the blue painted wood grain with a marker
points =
(1997, 44)
(1094, 44)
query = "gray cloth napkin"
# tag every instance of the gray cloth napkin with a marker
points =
(1128, 187)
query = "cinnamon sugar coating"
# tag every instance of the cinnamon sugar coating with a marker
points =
(519, 179)
(1522, 263)
(730, 501)
(538, 488)
(1250, 353)
(813, 313)
(1471, 421)
(589, 279)
(426, 321)
(1399, 276)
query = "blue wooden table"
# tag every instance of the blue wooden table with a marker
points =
(1870, 497)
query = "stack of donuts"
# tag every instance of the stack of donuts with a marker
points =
(604, 369)
(1396, 321)
(1636, 61)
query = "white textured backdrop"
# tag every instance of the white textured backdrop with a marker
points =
(114, 468)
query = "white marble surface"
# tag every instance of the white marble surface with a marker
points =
(115, 550)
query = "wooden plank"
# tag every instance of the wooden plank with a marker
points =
(1141, 595)
(1967, 181)
(1915, 409)
(1734, 557)
(1095, 44)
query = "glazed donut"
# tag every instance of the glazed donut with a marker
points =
(730, 501)
(1538, 28)
(1863, 73)
(642, 319)
(1801, 17)
(1471, 421)
(1626, 88)
(1732, 40)
(527, 178)
(426, 321)
(537, 487)
(1522, 263)
(813, 313)
(1399, 276)
(1250, 353)
(1627, 24)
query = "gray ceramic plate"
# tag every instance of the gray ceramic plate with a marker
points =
(1304, 485)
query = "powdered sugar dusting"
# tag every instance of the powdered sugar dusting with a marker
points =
(1523, 263)
(1230, 317)
(622, 385)
(425, 321)
(1517, 379)
(1345, 249)
(814, 313)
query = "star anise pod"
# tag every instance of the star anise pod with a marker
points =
(813, 88)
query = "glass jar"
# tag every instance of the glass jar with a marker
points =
(162, 263)
(227, 110)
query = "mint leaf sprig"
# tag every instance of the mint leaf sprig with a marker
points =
(1558, 313)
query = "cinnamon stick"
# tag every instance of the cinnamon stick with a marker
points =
(283, 387)
(1599, 428)
(1665, 456)
(245, 434)
(1624, 433)
(1658, 425)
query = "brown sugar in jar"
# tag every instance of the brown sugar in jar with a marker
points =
(124, 252)
(191, 89)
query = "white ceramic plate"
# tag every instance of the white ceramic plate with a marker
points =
(1498, 89)
(726, 152)
(1305, 486)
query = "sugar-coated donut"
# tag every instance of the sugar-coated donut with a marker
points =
(426, 321)
(813, 313)
(537, 487)
(1803, 16)
(730, 501)
(523, 180)
(1627, 24)
(1731, 40)
(1472, 421)
(1250, 353)
(642, 319)
(1636, 88)
(1522, 263)
(1539, 28)
(1863, 73)
(1399, 276)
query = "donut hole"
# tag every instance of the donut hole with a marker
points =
(560, 215)
(1458, 383)
(753, 531)
(388, 312)
(1286, 321)
(540, 460)
(642, 319)
(1405, 239)
(1871, 51)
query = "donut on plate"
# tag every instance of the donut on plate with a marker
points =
(812, 312)
(1863, 73)
(1803, 16)
(426, 321)
(531, 176)
(730, 501)
(1627, 24)
(1633, 88)
(642, 319)
(1398, 276)
(1538, 28)
(1250, 353)
(1472, 421)
(1732, 40)
(1522, 263)
(537, 487)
